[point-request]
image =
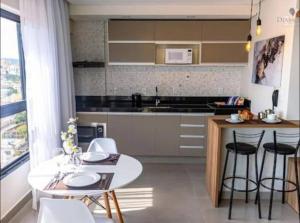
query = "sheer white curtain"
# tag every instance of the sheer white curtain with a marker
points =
(49, 75)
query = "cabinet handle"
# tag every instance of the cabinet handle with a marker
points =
(192, 136)
(192, 126)
(191, 147)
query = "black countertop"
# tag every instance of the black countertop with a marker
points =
(167, 104)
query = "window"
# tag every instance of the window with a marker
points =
(14, 134)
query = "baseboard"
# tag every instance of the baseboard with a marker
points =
(171, 159)
(16, 208)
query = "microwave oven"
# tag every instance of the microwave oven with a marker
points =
(89, 131)
(179, 56)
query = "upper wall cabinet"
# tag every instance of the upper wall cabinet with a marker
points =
(224, 53)
(225, 30)
(178, 30)
(132, 53)
(131, 30)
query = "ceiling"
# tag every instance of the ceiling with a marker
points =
(147, 2)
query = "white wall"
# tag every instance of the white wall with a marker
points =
(10, 5)
(293, 111)
(156, 9)
(14, 188)
(272, 26)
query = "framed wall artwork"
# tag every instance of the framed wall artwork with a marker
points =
(267, 61)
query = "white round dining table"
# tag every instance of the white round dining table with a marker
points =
(125, 171)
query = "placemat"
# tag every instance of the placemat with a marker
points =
(101, 185)
(111, 160)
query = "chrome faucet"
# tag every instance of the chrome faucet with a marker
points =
(157, 100)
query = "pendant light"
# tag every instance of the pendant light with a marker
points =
(258, 22)
(249, 37)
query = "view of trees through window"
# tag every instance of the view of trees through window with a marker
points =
(14, 136)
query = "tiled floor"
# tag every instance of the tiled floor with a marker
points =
(176, 193)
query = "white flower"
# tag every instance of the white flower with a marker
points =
(72, 120)
(63, 136)
(72, 129)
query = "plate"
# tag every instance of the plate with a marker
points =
(234, 121)
(81, 179)
(271, 121)
(94, 156)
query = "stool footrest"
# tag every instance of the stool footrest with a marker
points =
(280, 179)
(241, 178)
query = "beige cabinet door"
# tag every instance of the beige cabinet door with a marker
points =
(130, 30)
(225, 30)
(132, 52)
(178, 30)
(118, 129)
(167, 135)
(142, 130)
(87, 118)
(224, 53)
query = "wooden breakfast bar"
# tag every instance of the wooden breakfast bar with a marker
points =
(216, 127)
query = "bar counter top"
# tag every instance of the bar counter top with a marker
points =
(216, 127)
(255, 123)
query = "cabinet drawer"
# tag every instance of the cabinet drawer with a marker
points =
(196, 120)
(186, 140)
(100, 118)
(186, 129)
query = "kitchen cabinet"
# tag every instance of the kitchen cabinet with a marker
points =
(152, 134)
(167, 135)
(178, 30)
(138, 30)
(224, 53)
(219, 30)
(89, 117)
(142, 130)
(118, 128)
(132, 53)
(144, 41)
(193, 132)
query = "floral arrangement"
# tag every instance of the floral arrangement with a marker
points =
(68, 137)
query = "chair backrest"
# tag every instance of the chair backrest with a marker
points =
(250, 138)
(292, 139)
(62, 211)
(107, 145)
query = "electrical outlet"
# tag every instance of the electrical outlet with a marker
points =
(220, 90)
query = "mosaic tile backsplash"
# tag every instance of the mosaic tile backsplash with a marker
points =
(88, 44)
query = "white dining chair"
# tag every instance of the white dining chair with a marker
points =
(62, 211)
(107, 145)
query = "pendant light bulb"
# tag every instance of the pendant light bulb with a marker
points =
(258, 27)
(248, 44)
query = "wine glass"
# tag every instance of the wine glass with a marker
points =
(77, 158)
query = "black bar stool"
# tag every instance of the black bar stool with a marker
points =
(282, 146)
(245, 145)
